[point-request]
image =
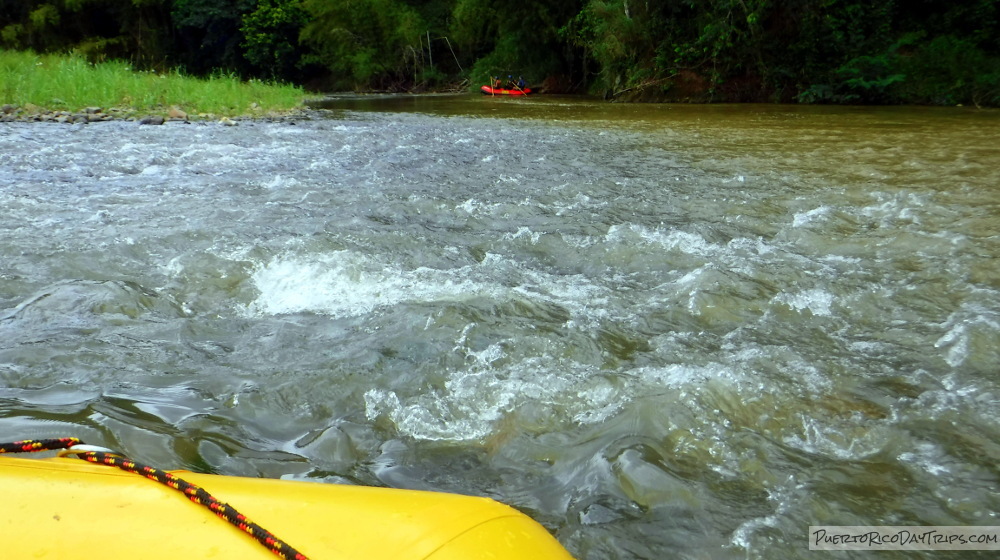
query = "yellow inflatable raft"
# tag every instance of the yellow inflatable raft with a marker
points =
(68, 508)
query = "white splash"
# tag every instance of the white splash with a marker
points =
(816, 301)
(803, 218)
(347, 284)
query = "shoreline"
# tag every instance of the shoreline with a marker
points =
(30, 113)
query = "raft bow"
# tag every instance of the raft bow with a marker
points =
(54, 506)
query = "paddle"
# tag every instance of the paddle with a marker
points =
(518, 87)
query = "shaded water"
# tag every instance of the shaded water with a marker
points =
(662, 331)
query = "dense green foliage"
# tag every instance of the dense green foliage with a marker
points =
(815, 51)
(366, 42)
(208, 35)
(515, 38)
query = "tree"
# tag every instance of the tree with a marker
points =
(365, 43)
(208, 35)
(271, 37)
(516, 37)
(135, 30)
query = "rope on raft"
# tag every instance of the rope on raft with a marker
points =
(194, 493)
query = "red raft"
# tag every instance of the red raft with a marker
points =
(490, 90)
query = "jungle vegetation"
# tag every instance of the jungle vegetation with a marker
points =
(810, 51)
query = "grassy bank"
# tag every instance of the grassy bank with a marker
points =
(56, 82)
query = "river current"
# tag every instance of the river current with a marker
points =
(662, 331)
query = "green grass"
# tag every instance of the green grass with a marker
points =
(69, 82)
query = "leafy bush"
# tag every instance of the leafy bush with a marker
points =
(863, 79)
(949, 70)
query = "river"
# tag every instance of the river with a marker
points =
(663, 331)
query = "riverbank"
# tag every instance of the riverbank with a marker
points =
(93, 114)
(67, 88)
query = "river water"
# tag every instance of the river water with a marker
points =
(662, 331)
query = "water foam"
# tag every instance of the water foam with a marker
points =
(671, 240)
(973, 334)
(349, 284)
(816, 301)
(473, 401)
(802, 218)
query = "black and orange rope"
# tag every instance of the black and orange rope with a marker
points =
(29, 445)
(193, 492)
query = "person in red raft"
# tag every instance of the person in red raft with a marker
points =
(511, 87)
